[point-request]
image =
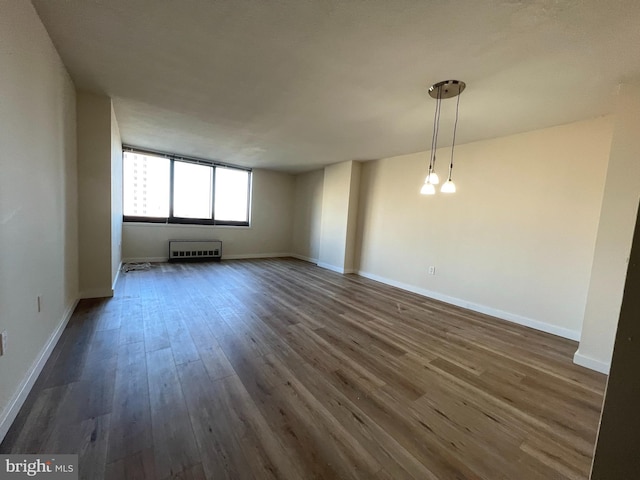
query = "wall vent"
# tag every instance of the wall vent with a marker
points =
(194, 250)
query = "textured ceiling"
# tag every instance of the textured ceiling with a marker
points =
(296, 84)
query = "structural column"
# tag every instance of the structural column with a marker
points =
(341, 186)
(615, 233)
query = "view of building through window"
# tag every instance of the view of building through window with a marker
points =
(202, 193)
(146, 185)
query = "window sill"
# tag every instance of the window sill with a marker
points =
(184, 225)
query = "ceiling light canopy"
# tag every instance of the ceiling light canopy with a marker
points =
(441, 91)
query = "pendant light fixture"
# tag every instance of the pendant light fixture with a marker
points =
(441, 91)
(428, 188)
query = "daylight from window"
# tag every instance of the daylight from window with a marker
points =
(192, 190)
(201, 193)
(232, 193)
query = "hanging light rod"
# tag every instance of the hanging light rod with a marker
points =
(441, 91)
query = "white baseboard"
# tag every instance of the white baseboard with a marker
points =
(97, 293)
(11, 411)
(333, 268)
(511, 317)
(590, 362)
(115, 280)
(145, 260)
(241, 256)
(302, 257)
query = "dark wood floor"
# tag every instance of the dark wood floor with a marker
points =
(265, 369)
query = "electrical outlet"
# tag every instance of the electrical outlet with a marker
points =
(3, 343)
(432, 270)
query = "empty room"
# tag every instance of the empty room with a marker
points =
(319, 239)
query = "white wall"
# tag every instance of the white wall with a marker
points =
(116, 198)
(94, 194)
(307, 215)
(516, 240)
(38, 206)
(615, 233)
(270, 232)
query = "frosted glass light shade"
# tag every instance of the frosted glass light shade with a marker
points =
(428, 189)
(448, 187)
(432, 178)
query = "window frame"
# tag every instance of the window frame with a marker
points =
(171, 219)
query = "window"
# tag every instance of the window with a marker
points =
(167, 189)
(232, 191)
(146, 185)
(192, 190)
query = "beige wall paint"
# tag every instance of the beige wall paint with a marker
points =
(94, 194)
(116, 198)
(270, 232)
(335, 226)
(516, 240)
(350, 260)
(38, 205)
(307, 215)
(615, 232)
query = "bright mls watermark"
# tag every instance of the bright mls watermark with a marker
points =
(52, 467)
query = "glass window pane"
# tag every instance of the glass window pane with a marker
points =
(145, 185)
(191, 190)
(232, 195)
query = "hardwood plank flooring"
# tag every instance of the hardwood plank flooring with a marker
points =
(278, 369)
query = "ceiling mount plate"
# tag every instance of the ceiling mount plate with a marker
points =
(447, 89)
